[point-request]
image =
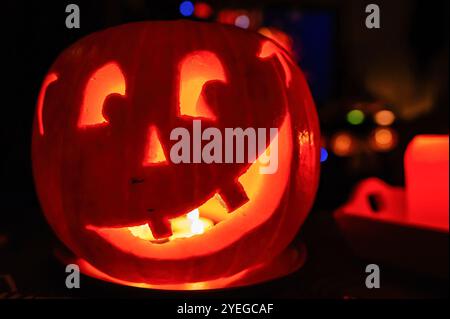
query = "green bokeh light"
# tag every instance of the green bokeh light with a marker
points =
(355, 117)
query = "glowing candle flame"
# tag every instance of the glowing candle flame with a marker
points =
(197, 226)
(183, 227)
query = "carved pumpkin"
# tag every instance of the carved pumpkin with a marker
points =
(101, 151)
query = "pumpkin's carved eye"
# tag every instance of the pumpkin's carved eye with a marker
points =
(196, 69)
(107, 80)
(269, 50)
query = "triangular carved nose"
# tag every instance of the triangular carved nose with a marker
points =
(154, 152)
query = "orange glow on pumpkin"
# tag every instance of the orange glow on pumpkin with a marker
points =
(287, 262)
(91, 271)
(107, 80)
(108, 187)
(49, 79)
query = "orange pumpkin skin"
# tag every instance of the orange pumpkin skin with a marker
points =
(90, 178)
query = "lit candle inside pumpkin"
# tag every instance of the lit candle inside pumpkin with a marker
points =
(427, 180)
(183, 227)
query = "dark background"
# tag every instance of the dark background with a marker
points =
(346, 64)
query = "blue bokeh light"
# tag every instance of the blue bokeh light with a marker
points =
(186, 8)
(323, 154)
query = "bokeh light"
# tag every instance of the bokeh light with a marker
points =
(384, 117)
(383, 139)
(202, 10)
(186, 8)
(242, 21)
(228, 16)
(343, 144)
(323, 154)
(355, 117)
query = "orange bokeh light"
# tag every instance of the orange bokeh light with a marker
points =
(384, 139)
(342, 144)
(384, 117)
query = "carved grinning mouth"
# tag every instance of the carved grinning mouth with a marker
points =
(212, 221)
(231, 196)
(213, 211)
(199, 220)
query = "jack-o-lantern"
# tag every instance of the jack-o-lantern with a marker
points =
(102, 151)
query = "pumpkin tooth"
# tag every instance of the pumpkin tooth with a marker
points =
(233, 196)
(160, 227)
